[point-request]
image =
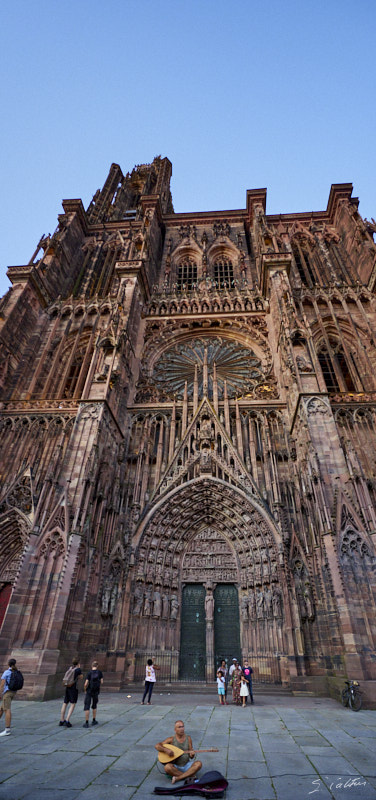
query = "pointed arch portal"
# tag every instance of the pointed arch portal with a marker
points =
(207, 580)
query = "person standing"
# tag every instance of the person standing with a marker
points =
(236, 683)
(71, 691)
(150, 680)
(221, 688)
(92, 687)
(8, 678)
(243, 689)
(234, 664)
(247, 672)
(225, 674)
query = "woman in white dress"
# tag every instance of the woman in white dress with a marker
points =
(243, 689)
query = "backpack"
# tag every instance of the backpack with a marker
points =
(68, 679)
(15, 681)
(95, 680)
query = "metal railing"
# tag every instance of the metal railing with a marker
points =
(175, 666)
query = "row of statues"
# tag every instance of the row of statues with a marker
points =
(265, 603)
(154, 604)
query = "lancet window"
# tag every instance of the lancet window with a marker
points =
(304, 264)
(335, 369)
(223, 273)
(186, 276)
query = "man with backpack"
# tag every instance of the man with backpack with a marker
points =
(71, 692)
(92, 686)
(11, 682)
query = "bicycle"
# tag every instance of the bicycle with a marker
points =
(352, 696)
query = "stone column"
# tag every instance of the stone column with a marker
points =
(209, 614)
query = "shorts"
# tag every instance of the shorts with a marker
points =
(91, 697)
(182, 768)
(7, 699)
(71, 695)
(221, 690)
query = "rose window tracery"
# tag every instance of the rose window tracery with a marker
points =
(238, 365)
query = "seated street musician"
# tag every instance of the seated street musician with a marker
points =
(180, 768)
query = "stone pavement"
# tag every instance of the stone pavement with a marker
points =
(282, 748)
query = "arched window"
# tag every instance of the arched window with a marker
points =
(304, 264)
(223, 273)
(186, 275)
(335, 369)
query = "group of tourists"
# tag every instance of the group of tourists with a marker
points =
(238, 678)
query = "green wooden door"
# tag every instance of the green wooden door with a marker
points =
(193, 634)
(226, 624)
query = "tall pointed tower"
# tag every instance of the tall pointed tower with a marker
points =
(187, 427)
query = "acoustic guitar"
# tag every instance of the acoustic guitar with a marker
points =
(165, 759)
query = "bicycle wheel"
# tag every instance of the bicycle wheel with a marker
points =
(355, 701)
(345, 697)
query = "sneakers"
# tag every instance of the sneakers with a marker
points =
(94, 722)
(7, 732)
(85, 725)
(68, 724)
(62, 722)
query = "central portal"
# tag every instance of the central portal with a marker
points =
(196, 641)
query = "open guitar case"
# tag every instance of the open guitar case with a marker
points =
(211, 784)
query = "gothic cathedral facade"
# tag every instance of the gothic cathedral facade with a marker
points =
(188, 441)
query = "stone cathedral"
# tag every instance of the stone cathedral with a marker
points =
(188, 441)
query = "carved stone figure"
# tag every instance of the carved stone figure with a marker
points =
(174, 606)
(260, 604)
(252, 605)
(157, 604)
(244, 608)
(277, 604)
(147, 603)
(165, 606)
(209, 605)
(106, 597)
(308, 600)
(138, 600)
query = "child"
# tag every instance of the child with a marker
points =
(243, 689)
(221, 688)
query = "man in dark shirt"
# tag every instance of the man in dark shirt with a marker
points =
(247, 672)
(92, 686)
(71, 695)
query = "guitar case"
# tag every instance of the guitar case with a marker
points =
(211, 784)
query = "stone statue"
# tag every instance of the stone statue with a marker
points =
(165, 606)
(308, 600)
(147, 604)
(113, 598)
(244, 608)
(174, 606)
(137, 600)
(260, 604)
(268, 602)
(157, 605)
(106, 596)
(276, 601)
(209, 605)
(251, 605)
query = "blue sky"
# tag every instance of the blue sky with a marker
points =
(238, 95)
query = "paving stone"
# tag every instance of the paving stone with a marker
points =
(246, 769)
(250, 789)
(288, 764)
(341, 786)
(13, 791)
(112, 792)
(332, 765)
(288, 787)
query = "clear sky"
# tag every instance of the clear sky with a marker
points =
(238, 95)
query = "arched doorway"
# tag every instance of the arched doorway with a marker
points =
(207, 535)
